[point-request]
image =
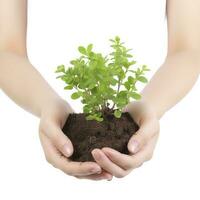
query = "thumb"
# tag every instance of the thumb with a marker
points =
(59, 139)
(142, 136)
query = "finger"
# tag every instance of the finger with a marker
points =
(147, 130)
(58, 138)
(96, 177)
(69, 167)
(122, 160)
(107, 165)
(146, 153)
(128, 162)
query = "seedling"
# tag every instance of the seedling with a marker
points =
(104, 83)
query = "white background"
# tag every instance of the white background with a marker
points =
(55, 30)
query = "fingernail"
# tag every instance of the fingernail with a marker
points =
(67, 150)
(97, 155)
(109, 179)
(134, 146)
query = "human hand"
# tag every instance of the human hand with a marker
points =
(141, 145)
(58, 148)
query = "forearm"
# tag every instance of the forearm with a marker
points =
(24, 84)
(172, 81)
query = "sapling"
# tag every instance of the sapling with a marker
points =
(105, 84)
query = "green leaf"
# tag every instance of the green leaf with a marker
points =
(68, 87)
(89, 48)
(75, 95)
(59, 76)
(82, 50)
(60, 68)
(135, 95)
(99, 119)
(113, 82)
(117, 113)
(129, 56)
(142, 79)
(117, 38)
(90, 117)
(122, 94)
(131, 80)
(145, 68)
(127, 85)
(87, 109)
(112, 40)
(132, 62)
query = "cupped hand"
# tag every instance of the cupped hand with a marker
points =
(141, 145)
(58, 148)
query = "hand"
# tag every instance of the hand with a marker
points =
(141, 145)
(57, 147)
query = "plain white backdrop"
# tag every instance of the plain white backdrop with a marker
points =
(55, 30)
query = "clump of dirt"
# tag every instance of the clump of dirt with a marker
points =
(87, 135)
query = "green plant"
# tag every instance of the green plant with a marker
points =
(103, 80)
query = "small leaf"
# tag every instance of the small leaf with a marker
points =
(113, 82)
(68, 87)
(145, 68)
(75, 95)
(131, 80)
(132, 62)
(99, 119)
(127, 85)
(129, 56)
(60, 68)
(89, 48)
(133, 71)
(82, 50)
(142, 79)
(117, 38)
(59, 76)
(117, 113)
(135, 95)
(86, 109)
(90, 117)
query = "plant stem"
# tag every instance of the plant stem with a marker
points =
(118, 87)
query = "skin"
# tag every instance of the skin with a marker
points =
(173, 80)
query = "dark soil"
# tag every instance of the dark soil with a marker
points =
(87, 135)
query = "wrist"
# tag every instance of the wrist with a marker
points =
(54, 103)
(141, 108)
(155, 109)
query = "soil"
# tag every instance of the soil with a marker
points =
(87, 135)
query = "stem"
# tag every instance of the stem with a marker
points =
(118, 88)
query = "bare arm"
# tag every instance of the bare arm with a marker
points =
(169, 85)
(181, 68)
(25, 86)
(18, 78)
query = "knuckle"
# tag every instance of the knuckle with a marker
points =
(145, 140)
(128, 166)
